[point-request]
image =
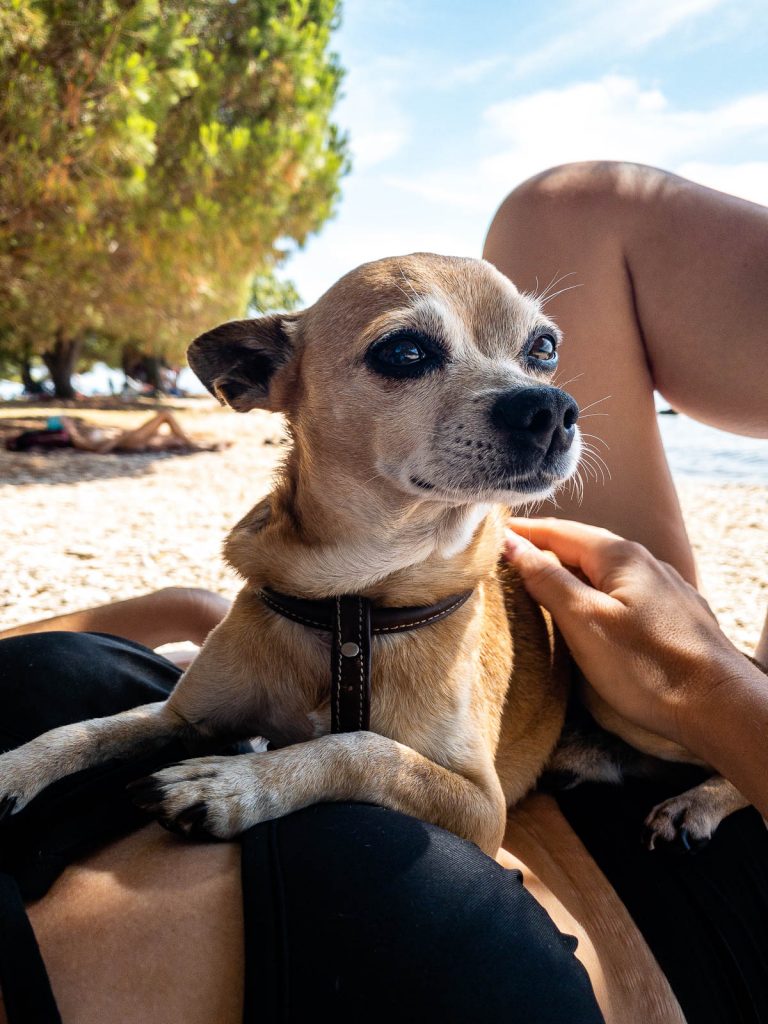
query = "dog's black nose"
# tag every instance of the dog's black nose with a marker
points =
(544, 417)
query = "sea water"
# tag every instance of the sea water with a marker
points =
(695, 450)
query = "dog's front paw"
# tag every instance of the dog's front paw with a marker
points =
(20, 782)
(217, 797)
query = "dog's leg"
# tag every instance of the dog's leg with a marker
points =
(223, 796)
(27, 770)
(587, 753)
(691, 818)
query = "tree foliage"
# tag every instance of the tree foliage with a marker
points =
(154, 154)
(270, 294)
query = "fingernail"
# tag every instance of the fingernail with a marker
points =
(514, 542)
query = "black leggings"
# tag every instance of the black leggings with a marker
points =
(350, 910)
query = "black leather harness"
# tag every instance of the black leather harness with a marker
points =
(352, 622)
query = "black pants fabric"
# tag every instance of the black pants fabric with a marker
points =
(351, 911)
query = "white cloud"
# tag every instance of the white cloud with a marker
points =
(620, 26)
(613, 118)
(748, 180)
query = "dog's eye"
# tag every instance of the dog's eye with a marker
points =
(401, 353)
(544, 349)
(404, 354)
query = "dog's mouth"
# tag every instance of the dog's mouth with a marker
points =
(502, 482)
(505, 490)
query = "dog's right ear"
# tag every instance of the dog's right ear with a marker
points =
(240, 361)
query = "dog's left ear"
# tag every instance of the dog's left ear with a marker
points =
(241, 362)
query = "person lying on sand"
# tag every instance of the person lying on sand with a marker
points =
(65, 432)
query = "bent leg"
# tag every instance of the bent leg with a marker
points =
(672, 293)
(175, 428)
(354, 912)
(138, 438)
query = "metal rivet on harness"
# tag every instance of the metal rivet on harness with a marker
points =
(350, 650)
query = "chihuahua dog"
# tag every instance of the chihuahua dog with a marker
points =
(420, 398)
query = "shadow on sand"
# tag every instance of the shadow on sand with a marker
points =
(67, 466)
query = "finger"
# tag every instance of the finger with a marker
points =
(597, 552)
(549, 582)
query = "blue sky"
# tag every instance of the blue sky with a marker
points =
(449, 105)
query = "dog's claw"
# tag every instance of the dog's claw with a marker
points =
(683, 841)
(648, 837)
(691, 843)
(7, 805)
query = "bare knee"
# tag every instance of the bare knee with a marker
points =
(586, 184)
(574, 202)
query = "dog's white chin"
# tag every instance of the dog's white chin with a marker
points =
(455, 496)
(526, 492)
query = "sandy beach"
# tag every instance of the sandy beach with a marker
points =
(82, 529)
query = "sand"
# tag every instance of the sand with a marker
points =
(84, 529)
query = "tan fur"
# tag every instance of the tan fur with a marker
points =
(346, 517)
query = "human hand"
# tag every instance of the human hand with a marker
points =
(644, 638)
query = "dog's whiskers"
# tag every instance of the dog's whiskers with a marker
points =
(591, 457)
(546, 294)
(562, 291)
(596, 438)
(564, 384)
(596, 402)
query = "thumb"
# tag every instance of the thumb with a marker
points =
(545, 578)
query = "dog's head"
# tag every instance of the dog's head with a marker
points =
(430, 375)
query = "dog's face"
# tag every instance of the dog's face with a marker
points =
(425, 374)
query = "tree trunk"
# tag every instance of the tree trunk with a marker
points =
(25, 365)
(152, 364)
(61, 361)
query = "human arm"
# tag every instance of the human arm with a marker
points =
(649, 645)
(170, 615)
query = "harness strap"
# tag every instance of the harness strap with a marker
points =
(351, 665)
(352, 622)
(322, 614)
(23, 979)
